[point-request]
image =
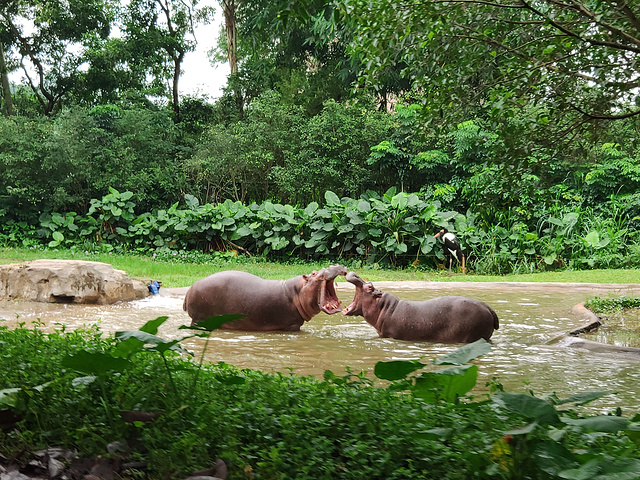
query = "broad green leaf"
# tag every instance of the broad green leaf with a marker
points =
(592, 239)
(311, 208)
(396, 369)
(399, 200)
(582, 398)
(191, 201)
(586, 471)
(364, 206)
(212, 323)
(552, 457)
(447, 384)
(465, 354)
(528, 406)
(602, 423)
(152, 325)
(331, 198)
(95, 363)
(400, 248)
(427, 244)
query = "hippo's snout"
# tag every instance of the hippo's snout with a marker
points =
(352, 277)
(334, 271)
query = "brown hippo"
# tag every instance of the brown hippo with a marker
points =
(441, 320)
(266, 304)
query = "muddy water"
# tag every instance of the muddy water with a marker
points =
(530, 315)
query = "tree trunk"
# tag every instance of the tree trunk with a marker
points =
(4, 75)
(229, 10)
(177, 62)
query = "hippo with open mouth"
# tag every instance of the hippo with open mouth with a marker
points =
(450, 319)
(266, 304)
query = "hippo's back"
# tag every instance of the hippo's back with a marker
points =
(448, 319)
(264, 303)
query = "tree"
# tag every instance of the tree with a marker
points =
(51, 50)
(161, 33)
(4, 78)
(229, 11)
(296, 48)
(477, 57)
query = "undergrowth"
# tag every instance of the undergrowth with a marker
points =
(76, 389)
(608, 305)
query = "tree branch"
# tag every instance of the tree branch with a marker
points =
(594, 18)
(601, 116)
(630, 15)
(560, 26)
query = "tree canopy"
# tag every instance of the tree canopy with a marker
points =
(477, 57)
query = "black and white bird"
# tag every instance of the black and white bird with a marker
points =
(451, 247)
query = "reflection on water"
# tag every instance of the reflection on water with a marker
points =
(530, 316)
(619, 329)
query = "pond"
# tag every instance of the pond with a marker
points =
(531, 315)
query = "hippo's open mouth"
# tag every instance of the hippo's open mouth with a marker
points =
(329, 301)
(350, 308)
(352, 277)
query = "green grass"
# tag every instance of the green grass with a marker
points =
(175, 271)
(75, 390)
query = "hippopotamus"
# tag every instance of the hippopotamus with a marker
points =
(266, 304)
(450, 319)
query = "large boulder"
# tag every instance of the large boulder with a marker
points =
(68, 281)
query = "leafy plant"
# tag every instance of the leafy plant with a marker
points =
(447, 384)
(608, 305)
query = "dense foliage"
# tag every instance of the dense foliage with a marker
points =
(608, 305)
(74, 390)
(531, 165)
(392, 229)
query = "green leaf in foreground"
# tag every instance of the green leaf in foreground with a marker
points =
(465, 354)
(152, 325)
(212, 323)
(528, 406)
(601, 423)
(95, 363)
(447, 384)
(581, 398)
(397, 369)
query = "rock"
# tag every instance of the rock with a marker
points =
(68, 281)
(215, 472)
(13, 475)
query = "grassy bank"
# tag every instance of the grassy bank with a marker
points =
(169, 418)
(179, 270)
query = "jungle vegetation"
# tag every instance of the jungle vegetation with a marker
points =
(347, 129)
(519, 130)
(74, 389)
